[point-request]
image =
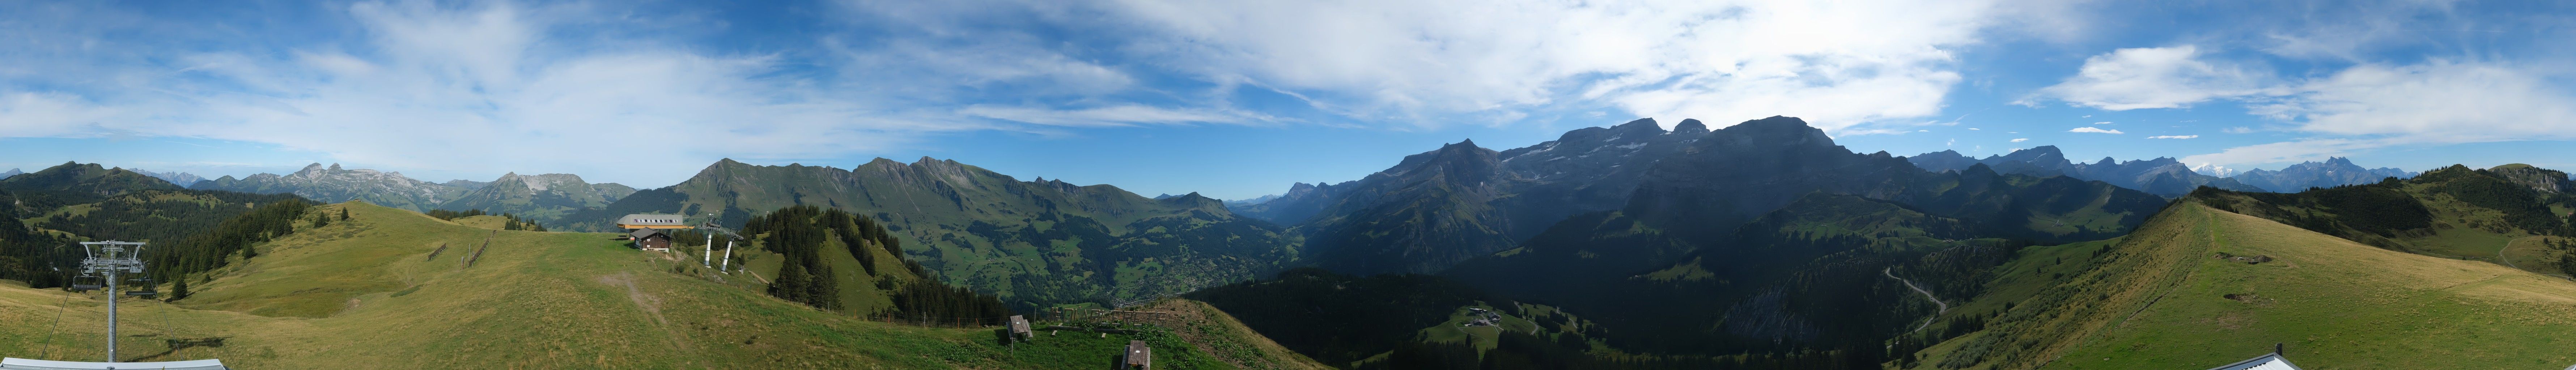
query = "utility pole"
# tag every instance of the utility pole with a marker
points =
(108, 258)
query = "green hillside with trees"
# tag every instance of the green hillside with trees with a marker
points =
(390, 288)
(1033, 243)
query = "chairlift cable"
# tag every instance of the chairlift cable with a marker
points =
(169, 335)
(58, 325)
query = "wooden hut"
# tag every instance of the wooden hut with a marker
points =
(650, 239)
(1139, 357)
(1020, 329)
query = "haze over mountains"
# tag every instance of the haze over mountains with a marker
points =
(542, 198)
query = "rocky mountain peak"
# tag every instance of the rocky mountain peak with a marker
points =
(1690, 126)
(1776, 131)
(1641, 127)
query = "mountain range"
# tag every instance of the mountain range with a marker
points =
(541, 198)
(181, 178)
(11, 172)
(1760, 245)
(2162, 176)
(2337, 171)
(1437, 208)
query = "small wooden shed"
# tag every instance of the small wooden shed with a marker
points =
(1139, 357)
(650, 239)
(1020, 329)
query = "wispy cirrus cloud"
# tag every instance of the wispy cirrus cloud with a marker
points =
(2095, 130)
(2174, 137)
(1113, 116)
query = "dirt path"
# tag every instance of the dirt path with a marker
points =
(2508, 261)
(1909, 284)
(646, 303)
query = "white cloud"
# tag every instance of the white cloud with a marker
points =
(2173, 136)
(1973, 128)
(2288, 151)
(2238, 130)
(2437, 102)
(2143, 78)
(1837, 65)
(485, 89)
(2020, 140)
(2373, 106)
(2101, 123)
(2095, 130)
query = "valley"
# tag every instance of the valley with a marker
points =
(1758, 245)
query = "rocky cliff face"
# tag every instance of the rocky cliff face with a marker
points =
(2541, 179)
(1433, 209)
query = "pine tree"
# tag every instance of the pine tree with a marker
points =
(179, 290)
(2567, 264)
(344, 214)
(791, 282)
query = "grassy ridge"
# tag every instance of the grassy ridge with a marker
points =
(364, 294)
(2161, 298)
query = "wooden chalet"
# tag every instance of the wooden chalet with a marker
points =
(1139, 357)
(650, 239)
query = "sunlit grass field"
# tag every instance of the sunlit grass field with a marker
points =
(2334, 303)
(366, 294)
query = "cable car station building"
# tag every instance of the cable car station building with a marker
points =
(646, 229)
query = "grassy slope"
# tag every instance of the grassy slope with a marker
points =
(2338, 304)
(363, 294)
(2530, 254)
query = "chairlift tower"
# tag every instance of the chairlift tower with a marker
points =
(107, 259)
(730, 237)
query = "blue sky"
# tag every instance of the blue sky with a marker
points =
(1239, 99)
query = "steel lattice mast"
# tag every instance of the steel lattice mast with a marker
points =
(107, 259)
